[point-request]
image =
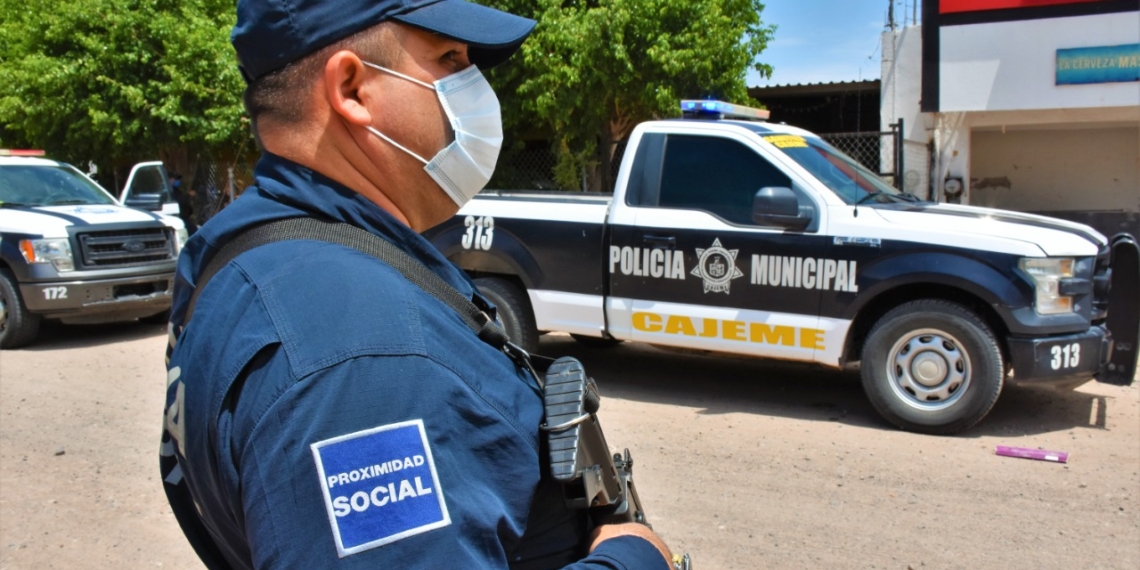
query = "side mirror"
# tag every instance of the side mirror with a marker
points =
(778, 206)
(151, 202)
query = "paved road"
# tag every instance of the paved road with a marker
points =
(743, 463)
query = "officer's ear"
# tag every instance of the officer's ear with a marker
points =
(344, 77)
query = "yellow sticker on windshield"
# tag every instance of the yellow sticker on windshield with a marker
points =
(787, 141)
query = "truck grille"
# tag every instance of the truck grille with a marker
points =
(124, 248)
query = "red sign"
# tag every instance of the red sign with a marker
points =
(952, 6)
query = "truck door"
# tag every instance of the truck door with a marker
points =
(697, 271)
(148, 188)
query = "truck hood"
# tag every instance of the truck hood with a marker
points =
(52, 221)
(1053, 236)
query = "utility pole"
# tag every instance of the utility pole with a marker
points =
(891, 15)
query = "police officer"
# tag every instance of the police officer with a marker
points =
(185, 200)
(322, 410)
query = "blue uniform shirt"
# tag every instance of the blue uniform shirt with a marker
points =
(323, 411)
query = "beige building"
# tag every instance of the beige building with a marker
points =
(1030, 105)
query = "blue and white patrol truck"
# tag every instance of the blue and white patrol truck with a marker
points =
(727, 233)
(70, 251)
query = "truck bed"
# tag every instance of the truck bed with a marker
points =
(509, 232)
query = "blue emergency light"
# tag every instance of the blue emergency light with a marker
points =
(700, 109)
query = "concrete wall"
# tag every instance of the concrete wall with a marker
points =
(899, 99)
(1012, 65)
(902, 83)
(1051, 169)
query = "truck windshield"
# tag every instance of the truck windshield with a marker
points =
(43, 185)
(851, 181)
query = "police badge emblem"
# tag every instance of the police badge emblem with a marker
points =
(716, 266)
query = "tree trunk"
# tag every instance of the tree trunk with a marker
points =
(617, 130)
(180, 160)
(605, 149)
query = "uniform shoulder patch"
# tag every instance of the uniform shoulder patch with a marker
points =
(380, 485)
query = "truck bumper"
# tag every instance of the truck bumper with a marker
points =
(1060, 359)
(1123, 312)
(103, 300)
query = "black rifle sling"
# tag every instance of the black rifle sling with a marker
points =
(347, 235)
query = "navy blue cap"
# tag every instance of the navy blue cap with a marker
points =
(271, 34)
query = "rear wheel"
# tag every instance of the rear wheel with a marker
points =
(514, 310)
(18, 327)
(932, 366)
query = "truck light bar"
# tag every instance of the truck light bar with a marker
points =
(699, 109)
(20, 152)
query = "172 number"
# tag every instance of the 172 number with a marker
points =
(53, 293)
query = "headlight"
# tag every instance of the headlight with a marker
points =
(54, 251)
(1046, 274)
(180, 237)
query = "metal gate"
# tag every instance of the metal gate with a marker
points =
(216, 183)
(881, 152)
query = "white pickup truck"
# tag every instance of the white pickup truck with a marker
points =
(70, 251)
(747, 237)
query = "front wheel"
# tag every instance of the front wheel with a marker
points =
(18, 327)
(514, 310)
(932, 366)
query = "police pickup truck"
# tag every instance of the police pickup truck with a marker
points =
(730, 234)
(70, 251)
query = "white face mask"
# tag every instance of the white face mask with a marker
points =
(463, 167)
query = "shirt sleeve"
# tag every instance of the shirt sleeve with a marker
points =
(623, 553)
(388, 461)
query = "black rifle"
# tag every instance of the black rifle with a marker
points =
(579, 456)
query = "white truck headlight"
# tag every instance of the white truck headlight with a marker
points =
(54, 251)
(180, 237)
(1047, 273)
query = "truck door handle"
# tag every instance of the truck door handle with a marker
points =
(660, 241)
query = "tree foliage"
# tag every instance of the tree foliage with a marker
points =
(118, 81)
(593, 69)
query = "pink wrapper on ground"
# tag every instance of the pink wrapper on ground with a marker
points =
(1026, 453)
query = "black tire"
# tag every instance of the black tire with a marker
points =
(156, 319)
(932, 366)
(595, 341)
(18, 327)
(514, 310)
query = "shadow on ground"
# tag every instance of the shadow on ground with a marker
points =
(724, 385)
(56, 336)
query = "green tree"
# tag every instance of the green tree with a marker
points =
(119, 81)
(593, 69)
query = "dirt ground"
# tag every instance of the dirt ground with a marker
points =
(742, 463)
